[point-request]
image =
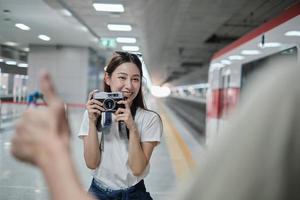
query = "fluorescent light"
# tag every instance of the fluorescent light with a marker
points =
(22, 65)
(37, 191)
(108, 7)
(22, 27)
(26, 49)
(130, 48)
(10, 62)
(85, 29)
(126, 40)
(1, 60)
(236, 57)
(11, 44)
(66, 13)
(94, 39)
(119, 27)
(269, 45)
(44, 37)
(292, 33)
(250, 52)
(226, 62)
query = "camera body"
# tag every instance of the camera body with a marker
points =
(109, 100)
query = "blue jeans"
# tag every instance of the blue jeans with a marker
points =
(136, 192)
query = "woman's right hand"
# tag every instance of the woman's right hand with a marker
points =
(94, 107)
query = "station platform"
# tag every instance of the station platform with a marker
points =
(171, 162)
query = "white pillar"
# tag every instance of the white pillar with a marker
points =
(68, 67)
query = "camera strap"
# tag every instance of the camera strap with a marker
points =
(107, 119)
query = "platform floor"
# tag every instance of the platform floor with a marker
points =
(171, 161)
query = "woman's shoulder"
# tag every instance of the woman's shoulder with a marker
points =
(147, 113)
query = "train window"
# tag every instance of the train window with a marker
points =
(248, 69)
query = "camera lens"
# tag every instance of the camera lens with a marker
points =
(109, 104)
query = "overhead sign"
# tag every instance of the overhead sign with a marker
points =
(108, 43)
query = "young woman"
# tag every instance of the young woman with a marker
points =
(119, 162)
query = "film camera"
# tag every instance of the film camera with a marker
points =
(109, 100)
(110, 103)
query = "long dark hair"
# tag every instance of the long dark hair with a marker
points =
(117, 59)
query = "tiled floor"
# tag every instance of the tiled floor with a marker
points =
(19, 181)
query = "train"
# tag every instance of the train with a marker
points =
(233, 66)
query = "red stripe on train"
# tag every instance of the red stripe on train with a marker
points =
(285, 16)
(221, 102)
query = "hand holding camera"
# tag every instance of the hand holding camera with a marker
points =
(109, 100)
(124, 115)
(105, 102)
(94, 107)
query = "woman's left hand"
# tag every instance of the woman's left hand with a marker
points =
(124, 114)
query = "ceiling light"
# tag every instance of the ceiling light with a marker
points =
(292, 33)
(22, 27)
(11, 62)
(106, 7)
(11, 44)
(130, 48)
(226, 62)
(1, 60)
(119, 27)
(44, 37)
(250, 52)
(94, 39)
(66, 13)
(269, 45)
(126, 40)
(85, 29)
(37, 191)
(22, 65)
(26, 49)
(236, 57)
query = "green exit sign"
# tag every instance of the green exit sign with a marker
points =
(108, 42)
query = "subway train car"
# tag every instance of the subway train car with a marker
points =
(232, 66)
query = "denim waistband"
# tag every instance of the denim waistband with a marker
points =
(139, 186)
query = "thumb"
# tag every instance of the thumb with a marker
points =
(56, 105)
(47, 87)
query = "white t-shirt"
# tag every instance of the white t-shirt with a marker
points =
(113, 171)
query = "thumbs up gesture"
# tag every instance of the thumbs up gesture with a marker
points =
(41, 129)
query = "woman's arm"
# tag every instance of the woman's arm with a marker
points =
(139, 153)
(60, 174)
(92, 153)
(42, 139)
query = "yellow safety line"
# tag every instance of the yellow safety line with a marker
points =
(180, 153)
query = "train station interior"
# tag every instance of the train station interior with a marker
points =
(202, 61)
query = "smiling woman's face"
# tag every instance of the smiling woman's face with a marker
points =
(126, 79)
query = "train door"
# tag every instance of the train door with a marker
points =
(213, 111)
(287, 57)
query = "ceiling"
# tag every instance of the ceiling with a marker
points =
(176, 37)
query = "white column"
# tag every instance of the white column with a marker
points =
(68, 67)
